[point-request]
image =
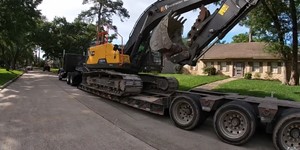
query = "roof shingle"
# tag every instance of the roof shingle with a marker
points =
(253, 50)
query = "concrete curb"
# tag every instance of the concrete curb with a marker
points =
(10, 81)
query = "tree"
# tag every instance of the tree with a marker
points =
(240, 38)
(272, 21)
(18, 20)
(59, 35)
(104, 10)
(293, 15)
(244, 37)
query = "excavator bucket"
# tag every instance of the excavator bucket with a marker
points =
(167, 32)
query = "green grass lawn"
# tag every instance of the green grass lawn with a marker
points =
(260, 88)
(54, 70)
(187, 82)
(5, 76)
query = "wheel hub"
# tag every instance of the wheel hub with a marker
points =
(235, 122)
(295, 133)
(184, 113)
(290, 136)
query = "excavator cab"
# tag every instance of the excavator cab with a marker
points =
(105, 55)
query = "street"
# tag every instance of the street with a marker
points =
(40, 112)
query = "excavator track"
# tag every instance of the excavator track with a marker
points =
(142, 91)
(113, 83)
(158, 84)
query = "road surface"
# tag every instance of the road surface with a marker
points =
(40, 112)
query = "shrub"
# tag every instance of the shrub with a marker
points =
(257, 75)
(248, 76)
(178, 69)
(210, 70)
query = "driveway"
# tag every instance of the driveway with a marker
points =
(40, 112)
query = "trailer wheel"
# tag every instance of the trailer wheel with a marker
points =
(235, 122)
(286, 133)
(186, 113)
(72, 79)
(68, 77)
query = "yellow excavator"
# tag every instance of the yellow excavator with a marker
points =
(157, 34)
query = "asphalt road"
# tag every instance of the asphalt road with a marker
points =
(40, 112)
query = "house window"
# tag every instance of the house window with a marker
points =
(275, 67)
(223, 66)
(208, 64)
(256, 67)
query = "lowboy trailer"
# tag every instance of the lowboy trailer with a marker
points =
(235, 117)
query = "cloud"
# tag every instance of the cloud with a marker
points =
(62, 8)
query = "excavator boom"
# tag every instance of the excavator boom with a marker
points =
(207, 30)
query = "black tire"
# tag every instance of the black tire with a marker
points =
(75, 78)
(235, 122)
(286, 134)
(59, 77)
(186, 112)
(72, 79)
(68, 77)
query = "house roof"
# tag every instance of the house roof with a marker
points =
(252, 50)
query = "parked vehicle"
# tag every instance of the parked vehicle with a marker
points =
(46, 68)
(29, 68)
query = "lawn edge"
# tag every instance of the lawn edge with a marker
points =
(10, 82)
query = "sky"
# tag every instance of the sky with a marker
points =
(71, 8)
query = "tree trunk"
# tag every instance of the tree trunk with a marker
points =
(286, 72)
(7, 65)
(15, 58)
(294, 74)
(250, 35)
(99, 23)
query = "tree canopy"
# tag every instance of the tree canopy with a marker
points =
(59, 35)
(18, 20)
(103, 11)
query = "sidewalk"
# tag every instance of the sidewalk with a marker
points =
(213, 85)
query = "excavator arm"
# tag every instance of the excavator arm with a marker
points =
(207, 30)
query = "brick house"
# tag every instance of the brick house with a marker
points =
(236, 59)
